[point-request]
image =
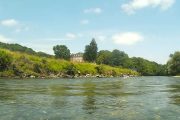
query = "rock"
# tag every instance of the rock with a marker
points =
(32, 76)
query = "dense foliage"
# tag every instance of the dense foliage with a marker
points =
(118, 58)
(62, 52)
(90, 53)
(5, 60)
(104, 57)
(174, 64)
(146, 67)
(121, 59)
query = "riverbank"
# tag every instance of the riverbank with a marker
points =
(23, 65)
(67, 77)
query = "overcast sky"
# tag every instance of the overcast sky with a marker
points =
(141, 28)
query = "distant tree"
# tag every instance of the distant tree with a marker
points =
(140, 65)
(17, 47)
(173, 64)
(90, 53)
(147, 68)
(162, 70)
(24, 49)
(118, 58)
(42, 54)
(5, 60)
(61, 51)
(104, 57)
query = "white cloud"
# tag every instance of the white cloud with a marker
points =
(134, 5)
(71, 36)
(4, 39)
(85, 22)
(14, 24)
(93, 10)
(101, 38)
(9, 23)
(128, 38)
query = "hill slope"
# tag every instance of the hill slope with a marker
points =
(24, 49)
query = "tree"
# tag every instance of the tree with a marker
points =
(173, 64)
(118, 58)
(61, 51)
(103, 57)
(5, 60)
(146, 67)
(90, 53)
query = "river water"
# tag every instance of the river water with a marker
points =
(139, 98)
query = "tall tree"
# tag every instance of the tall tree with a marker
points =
(61, 51)
(174, 64)
(90, 53)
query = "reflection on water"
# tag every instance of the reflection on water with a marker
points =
(175, 91)
(89, 100)
(141, 98)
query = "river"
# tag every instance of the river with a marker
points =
(138, 98)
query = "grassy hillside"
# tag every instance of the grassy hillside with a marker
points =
(26, 65)
(24, 49)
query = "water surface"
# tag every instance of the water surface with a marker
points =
(139, 98)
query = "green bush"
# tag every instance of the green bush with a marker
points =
(100, 69)
(5, 60)
(37, 68)
(71, 70)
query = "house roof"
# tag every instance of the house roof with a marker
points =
(77, 55)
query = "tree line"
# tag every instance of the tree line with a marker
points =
(117, 58)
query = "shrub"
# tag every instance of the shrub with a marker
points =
(37, 68)
(71, 70)
(5, 60)
(100, 69)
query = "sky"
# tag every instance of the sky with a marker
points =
(142, 28)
